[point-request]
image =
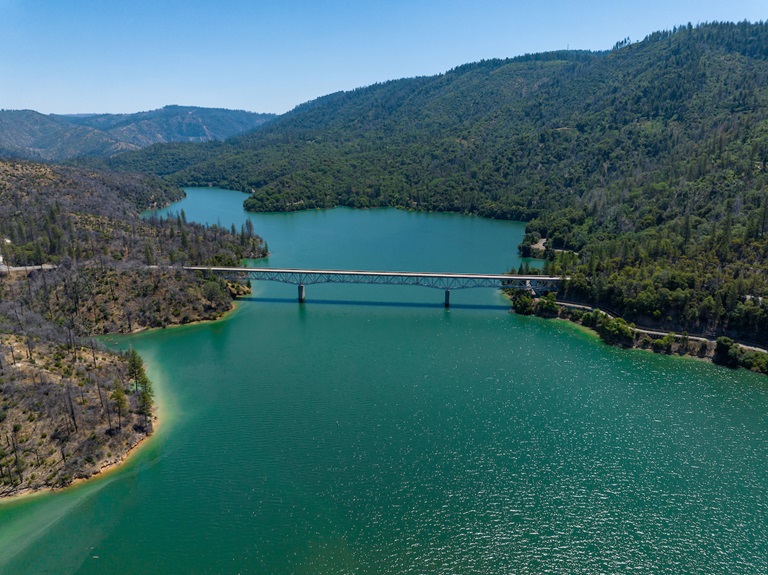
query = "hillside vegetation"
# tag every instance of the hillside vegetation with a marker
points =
(67, 406)
(647, 162)
(115, 272)
(67, 413)
(31, 135)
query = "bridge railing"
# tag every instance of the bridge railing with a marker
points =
(443, 281)
(298, 276)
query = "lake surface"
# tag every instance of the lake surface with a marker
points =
(371, 431)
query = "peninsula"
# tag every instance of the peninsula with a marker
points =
(82, 262)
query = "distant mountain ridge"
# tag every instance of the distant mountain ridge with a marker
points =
(58, 137)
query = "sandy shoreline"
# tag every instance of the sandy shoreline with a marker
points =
(113, 464)
(105, 468)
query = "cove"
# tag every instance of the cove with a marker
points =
(372, 431)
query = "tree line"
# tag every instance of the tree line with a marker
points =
(67, 406)
(646, 164)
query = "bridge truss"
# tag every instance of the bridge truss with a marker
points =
(445, 281)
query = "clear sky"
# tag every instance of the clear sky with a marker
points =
(73, 56)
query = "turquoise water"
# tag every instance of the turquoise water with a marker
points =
(372, 431)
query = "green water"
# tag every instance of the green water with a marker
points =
(371, 431)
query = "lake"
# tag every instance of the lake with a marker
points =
(370, 430)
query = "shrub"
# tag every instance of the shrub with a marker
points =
(522, 303)
(727, 352)
(547, 306)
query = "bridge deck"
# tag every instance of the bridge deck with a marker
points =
(372, 273)
(446, 281)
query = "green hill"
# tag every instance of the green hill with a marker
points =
(31, 135)
(69, 406)
(648, 160)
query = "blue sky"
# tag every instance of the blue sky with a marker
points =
(78, 56)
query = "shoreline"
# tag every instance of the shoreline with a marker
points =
(656, 332)
(670, 344)
(143, 330)
(108, 467)
(105, 470)
(158, 422)
(147, 329)
(112, 465)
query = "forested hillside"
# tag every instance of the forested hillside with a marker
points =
(113, 270)
(648, 161)
(67, 406)
(31, 135)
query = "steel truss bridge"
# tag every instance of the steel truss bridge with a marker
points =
(535, 284)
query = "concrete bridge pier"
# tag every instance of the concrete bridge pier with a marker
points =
(447, 298)
(302, 294)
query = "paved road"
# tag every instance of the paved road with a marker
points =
(657, 332)
(4, 269)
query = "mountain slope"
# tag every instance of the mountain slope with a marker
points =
(506, 138)
(648, 164)
(172, 124)
(67, 406)
(29, 134)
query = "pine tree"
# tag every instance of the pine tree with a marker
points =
(121, 404)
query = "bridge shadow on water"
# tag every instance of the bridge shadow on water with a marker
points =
(365, 303)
